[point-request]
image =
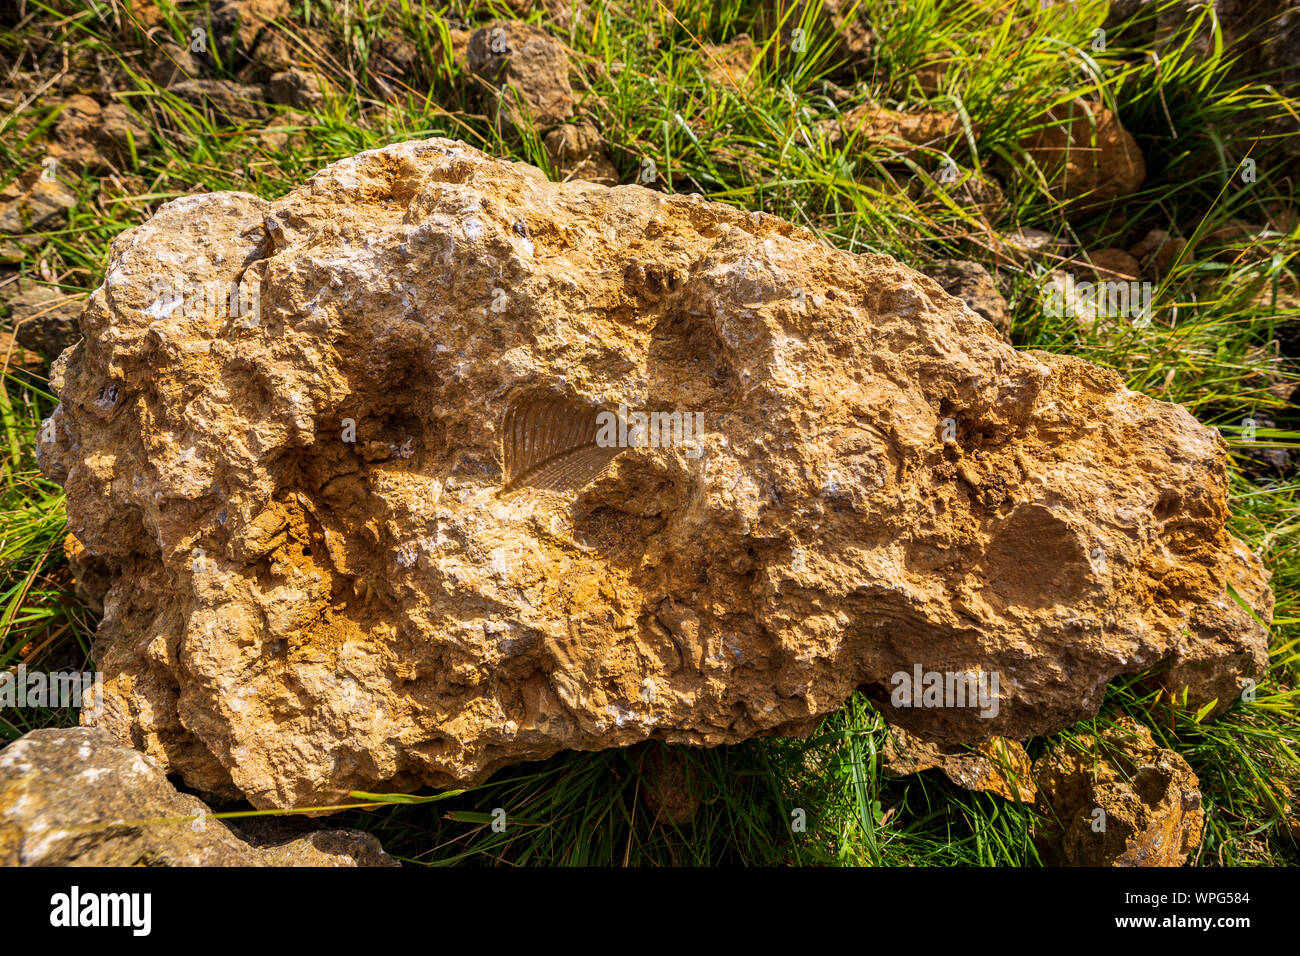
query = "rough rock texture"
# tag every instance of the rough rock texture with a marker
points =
(997, 765)
(1148, 797)
(528, 71)
(908, 133)
(1087, 157)
(973, 284)
(45, 319)
(29, 207)
(90, 136)
(81, 798)
(321, 581)
(299, 88)
(578, 151)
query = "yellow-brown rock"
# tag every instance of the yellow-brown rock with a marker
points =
(997, 765)
(1117, 799)
(360, 537)
(1086, 156)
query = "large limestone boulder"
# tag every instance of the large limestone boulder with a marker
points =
(366, 530)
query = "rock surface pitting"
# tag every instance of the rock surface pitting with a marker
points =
(881, 482)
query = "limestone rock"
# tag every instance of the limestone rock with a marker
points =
(1118, 800)
(907, 133)
(241, 23)
(528, 70)
(30, 207)
(668, 785)
(361, 535)
(1088, 158)
(577, 150)
(997, 765)
(45, 320)
(973, 284)
(298, 88)
(79, 797)
(841, 22)
(1112, 265)
(229, 101)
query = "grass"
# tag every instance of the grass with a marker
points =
(762, 143)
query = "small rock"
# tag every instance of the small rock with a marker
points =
(1260, 459)
(1157, 251)
(394, 64)
(88, 136)
(172, 63)
(45, 320)
(298, 88)
(119, 127)
(146, 14)
(79, 797)
(669, 786)
(577, 151)
(229, 100)
(1027, 245)
(997, 765)
(1088, 158)
(973, 284)
(76, 131)
(1117, 800)
(528, 70)
(30, 207)
(241, 22)
(871, 125)
(1110, 264)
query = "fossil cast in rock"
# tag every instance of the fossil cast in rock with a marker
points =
(362, 535)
